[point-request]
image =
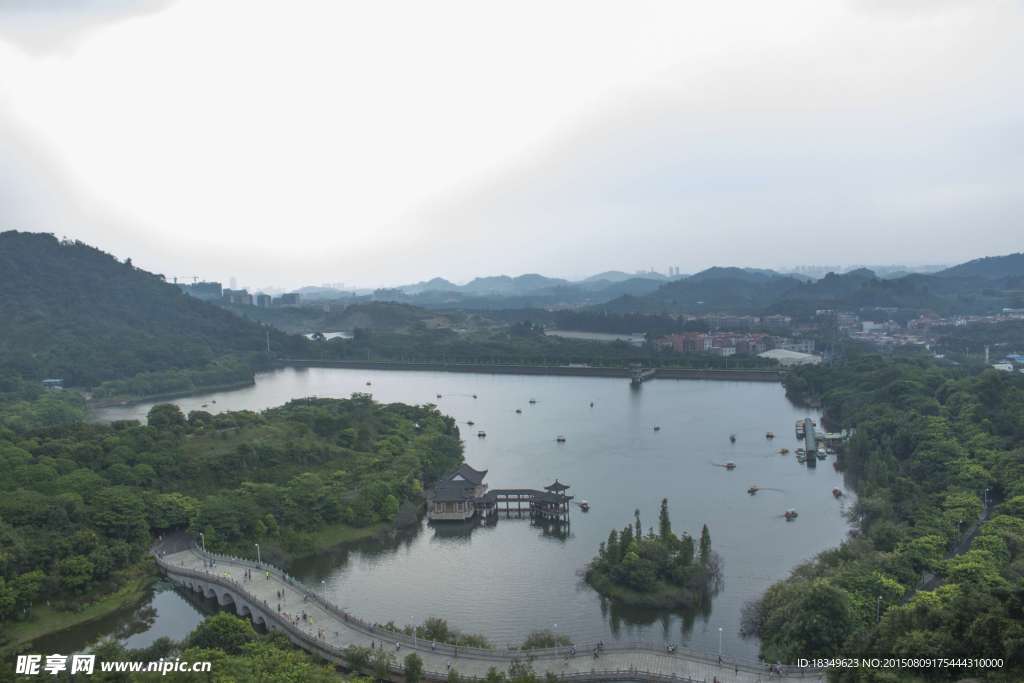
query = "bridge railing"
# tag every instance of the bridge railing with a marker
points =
(502, 655)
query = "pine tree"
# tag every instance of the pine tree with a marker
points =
(705, 545)
(625, 541)
(686, 549)
(611, 548)
(664, 523)
(639, 528)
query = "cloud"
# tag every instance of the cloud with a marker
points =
(386, 142)
(44, 27)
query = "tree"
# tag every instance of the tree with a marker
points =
(611, 548)
(166, 416)
(224, 632)
(705, 545)
(639, 533)
(382, 662)
(413, 668)
(75, 573)
(664, 523)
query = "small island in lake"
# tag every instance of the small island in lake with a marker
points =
(658, 569)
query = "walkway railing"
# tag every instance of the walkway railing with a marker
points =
(505, 656)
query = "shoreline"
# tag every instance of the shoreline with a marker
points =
(94, 403)
(52, 622)
(737, 375)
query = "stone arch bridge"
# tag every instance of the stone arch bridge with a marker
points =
(328, 630)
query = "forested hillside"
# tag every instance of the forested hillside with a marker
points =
(80, 504)
(74, 312)
(931, 571)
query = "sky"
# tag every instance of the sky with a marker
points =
(288, 144)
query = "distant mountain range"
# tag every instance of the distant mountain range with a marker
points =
(983, 284)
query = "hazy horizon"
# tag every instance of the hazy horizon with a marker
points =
(386, 144)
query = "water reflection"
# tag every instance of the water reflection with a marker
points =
(164, 611)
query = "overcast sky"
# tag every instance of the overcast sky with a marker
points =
(383, 142)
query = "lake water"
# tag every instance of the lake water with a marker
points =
(511, 578)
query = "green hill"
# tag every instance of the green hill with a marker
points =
(716, 289)
(74, 312)
(990, 267)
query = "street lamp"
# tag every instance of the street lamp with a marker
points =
(878, 610)
(202, 536)
(413, 632)
(719, 644)
(323, 587)
(259, 560)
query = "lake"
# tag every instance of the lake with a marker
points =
(510, 578)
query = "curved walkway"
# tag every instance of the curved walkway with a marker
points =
(328, 630)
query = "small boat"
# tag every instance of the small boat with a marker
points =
(213, 401)
(584, 505)
(837, 493)
(470, 423)
(481, 434)
(657, 428)
(474, 395)
(801, 451)
(753, 489)
(732, 438)
(518, 411)
(790, 515)
(439, 395)
(783, 451)
(770, 435)
(532, 401)
(591, 404)
(205, 404)
(822, 455)
(369, 383)
(801, 458)
(729, 465)
(560, 439)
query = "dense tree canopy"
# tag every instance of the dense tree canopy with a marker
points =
(80, 503)
(924, 575)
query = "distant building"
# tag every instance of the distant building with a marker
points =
(776, 322)
(238, 297)
(207, 291)
(787, 357)
(798, 345)
(1003, 367)
(263, 300)
(53, 383)
(291, 299)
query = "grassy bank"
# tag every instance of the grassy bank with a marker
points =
(47, 620)
(302, 544)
